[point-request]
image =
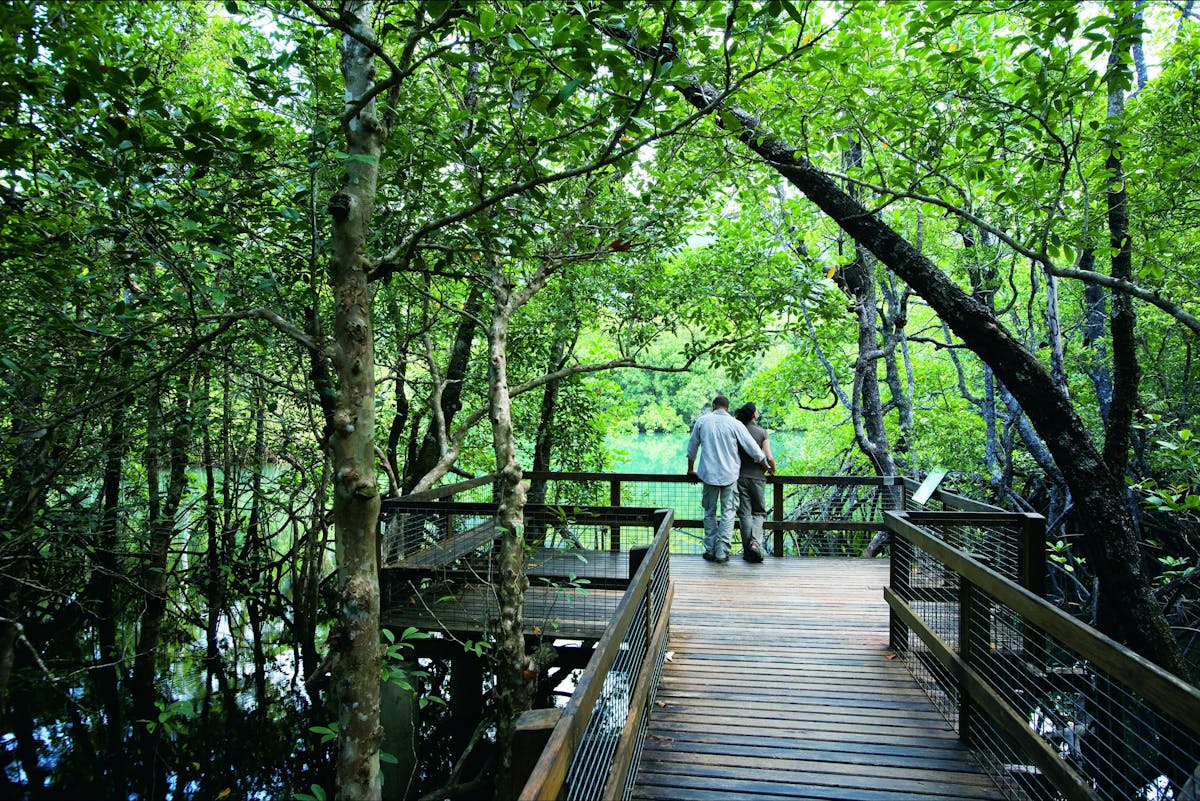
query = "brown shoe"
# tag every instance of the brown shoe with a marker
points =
(752, 553)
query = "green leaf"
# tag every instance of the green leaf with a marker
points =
(569, 89)
(487, 18)
(792, 12)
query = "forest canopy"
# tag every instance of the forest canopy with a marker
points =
(269, 263)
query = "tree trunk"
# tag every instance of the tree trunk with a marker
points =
(214, 574)
(543, 444)
(103, 591)
(1126, 373)
(514, 688)
(307, 600)
(893, 318)
(1131, 614)
(154, 575)
(1093, 338)
(451, 396)
(24, 494)
(350, 440)
(254, 554)
(399, 423)
(1058, 365)
(982, 273)
(857, 281)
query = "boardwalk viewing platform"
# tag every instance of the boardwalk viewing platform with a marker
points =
(780, 684)
(938, 671)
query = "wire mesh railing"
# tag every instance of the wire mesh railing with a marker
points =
(592, 750)
(441, 561)
(1052, 708)
(806, 515)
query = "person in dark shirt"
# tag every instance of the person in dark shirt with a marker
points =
(752, 480)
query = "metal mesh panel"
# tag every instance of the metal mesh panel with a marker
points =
(1122, 746)
(933, 595)
(995, 545)
(442, 564)
(818, 515)
(593, 759)
(1125, 747)
(828, 504)
(681, 496)
(406, 531)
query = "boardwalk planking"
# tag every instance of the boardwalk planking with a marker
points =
(779, 686)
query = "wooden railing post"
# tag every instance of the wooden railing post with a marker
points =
(900, 493)
(777, 516)
(529, 740)
(636, 557)
(899, 565)
(1032, 559)
(614, 499)
(1031, 572)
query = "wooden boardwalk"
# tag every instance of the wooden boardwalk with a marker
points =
(779, 685)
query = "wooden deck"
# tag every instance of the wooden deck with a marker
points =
(779, 685)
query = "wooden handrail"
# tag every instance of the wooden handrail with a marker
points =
(993, 703)
(550, 773)
(1175, 697)
(1124, 692)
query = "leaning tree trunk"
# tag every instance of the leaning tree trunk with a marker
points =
(1131, 613)
(351, 444)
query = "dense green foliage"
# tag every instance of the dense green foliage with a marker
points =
(166, 325)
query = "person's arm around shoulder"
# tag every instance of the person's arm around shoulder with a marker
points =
(748, 444)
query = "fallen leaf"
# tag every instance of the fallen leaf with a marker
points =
(670, 657)
(891, 655)
(660, 704)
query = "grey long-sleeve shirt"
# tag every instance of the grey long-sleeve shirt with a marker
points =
(717, 436)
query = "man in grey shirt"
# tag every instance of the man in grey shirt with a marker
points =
(718, 436)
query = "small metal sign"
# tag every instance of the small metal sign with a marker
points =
(929, 485)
